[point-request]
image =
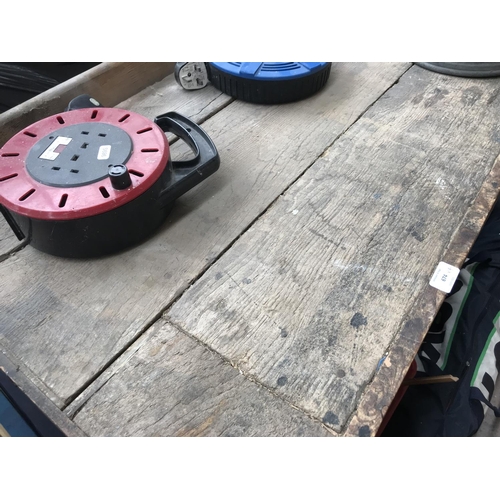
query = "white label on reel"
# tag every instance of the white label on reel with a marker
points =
(104, 152)
(50, 153)
(444, 277)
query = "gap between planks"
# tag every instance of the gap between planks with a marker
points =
(134, 348)
(227, 361)
(206, 268)
(13, 251)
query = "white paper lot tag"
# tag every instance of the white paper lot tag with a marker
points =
(444, 277)
(104, 152)
(50, 153)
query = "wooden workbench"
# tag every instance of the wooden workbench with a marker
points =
(285, 296)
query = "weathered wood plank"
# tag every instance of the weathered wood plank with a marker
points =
(309, 299)
(169, 385)
(379, 393)
(81, 314)
(168, 95)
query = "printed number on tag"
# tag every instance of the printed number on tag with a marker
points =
(444, 277)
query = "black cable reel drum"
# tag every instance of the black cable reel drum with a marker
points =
(93, 180)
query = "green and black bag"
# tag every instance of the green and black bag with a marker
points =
(464, 341)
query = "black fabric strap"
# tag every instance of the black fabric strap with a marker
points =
(475, 393)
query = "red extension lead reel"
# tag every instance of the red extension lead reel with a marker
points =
(93, 180)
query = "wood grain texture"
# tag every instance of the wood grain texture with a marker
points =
(81, 314)
(168, 95)
(309, 300)
(109, 83)
(8, 241)
(169, 385)
(379, 393)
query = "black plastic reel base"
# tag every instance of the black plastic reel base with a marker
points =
(278, 91)
(101, 234)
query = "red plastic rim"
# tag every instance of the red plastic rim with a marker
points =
(22, 194)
